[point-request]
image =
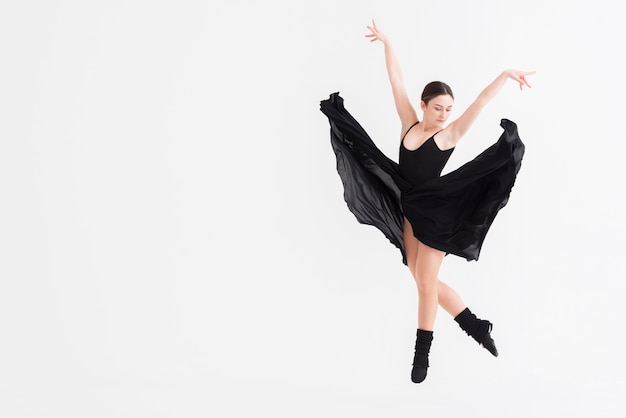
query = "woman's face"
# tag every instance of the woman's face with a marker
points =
(438, 109)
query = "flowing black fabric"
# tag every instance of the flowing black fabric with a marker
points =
(451, 213)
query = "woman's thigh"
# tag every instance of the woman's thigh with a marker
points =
(421, 259)
(428, 262)
(411, 245)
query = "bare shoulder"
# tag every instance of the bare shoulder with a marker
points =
(409, 127)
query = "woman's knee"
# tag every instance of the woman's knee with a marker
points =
(426, 282)
(427, 267)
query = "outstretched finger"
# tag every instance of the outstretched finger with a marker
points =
(524, 76)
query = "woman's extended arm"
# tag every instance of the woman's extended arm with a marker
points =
(460, 126)
(403, 105)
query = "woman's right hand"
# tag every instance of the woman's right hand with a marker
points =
(376, 34)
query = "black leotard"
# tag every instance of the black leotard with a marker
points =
(423, 163)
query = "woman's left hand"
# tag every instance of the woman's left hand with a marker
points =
(520, 77)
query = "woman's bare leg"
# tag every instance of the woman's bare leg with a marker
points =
(427, 267)
(449, 299)
(424, 263)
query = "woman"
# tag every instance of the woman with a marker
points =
(428, 216)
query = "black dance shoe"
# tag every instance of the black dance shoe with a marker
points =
(478, 329)
(420, 360)
(488, 342)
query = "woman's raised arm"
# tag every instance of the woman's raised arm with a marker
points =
(403, 105)
(460, 126)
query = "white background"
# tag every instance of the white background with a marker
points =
(174, 240)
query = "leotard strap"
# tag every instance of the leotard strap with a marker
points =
(407, 131)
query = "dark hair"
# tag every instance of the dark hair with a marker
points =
(434, 89)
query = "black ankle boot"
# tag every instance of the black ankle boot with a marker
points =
(478, 329)
(420, 361)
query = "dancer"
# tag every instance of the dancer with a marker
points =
(424, 214)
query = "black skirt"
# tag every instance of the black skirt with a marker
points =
(451, 213)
